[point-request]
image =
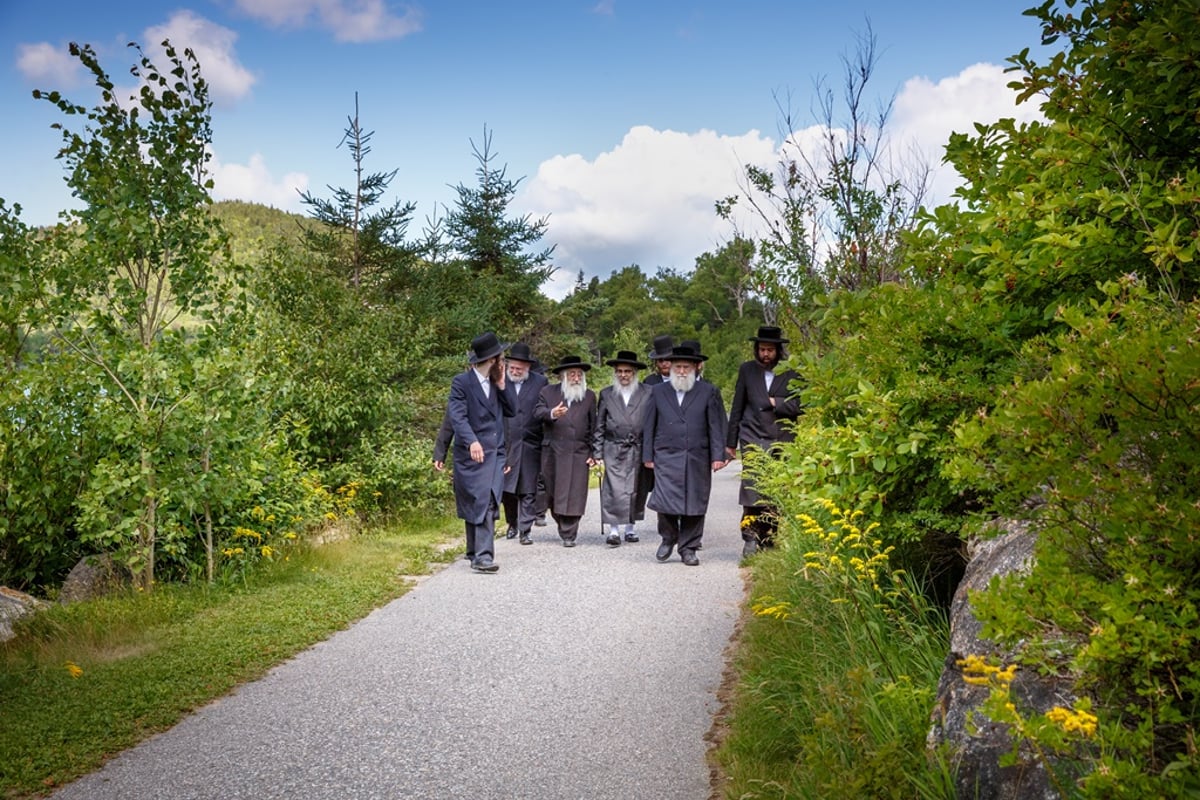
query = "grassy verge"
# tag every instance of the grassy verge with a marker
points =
(85, 681)
(836, 671)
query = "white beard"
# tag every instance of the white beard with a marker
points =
(574, 392)
(683, 383)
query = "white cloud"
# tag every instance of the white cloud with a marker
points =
(648, 201)
(926, 113)
(253, 183)
(228, 80)
(43, 62)
(348, 20)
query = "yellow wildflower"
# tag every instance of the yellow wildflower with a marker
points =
(73, 669)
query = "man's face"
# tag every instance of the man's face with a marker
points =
(573, 376)
(518, 370)
(664, 366)
(683, 368)
(625, 375)
(767, 354)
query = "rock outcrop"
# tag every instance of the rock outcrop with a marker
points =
(13, 606)
(975, 744)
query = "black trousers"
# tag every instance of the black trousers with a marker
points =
(683, 530)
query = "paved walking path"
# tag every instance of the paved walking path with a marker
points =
(586, 673)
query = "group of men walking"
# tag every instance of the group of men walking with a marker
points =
(522, 442)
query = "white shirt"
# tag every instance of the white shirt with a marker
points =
(484, 384)
(769, 377)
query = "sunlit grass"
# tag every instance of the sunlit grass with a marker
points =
(83, 682)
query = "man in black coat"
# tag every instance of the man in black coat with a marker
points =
(567, 412)
(683, 441)
(479, 402)
(523, 439)
(761, 401)
(660, 360)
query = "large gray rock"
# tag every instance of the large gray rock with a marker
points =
(976, 744)
(13, 606)
(93, 577)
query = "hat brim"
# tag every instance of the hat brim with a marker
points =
(480, 357)
(561, 367)
(616, 361)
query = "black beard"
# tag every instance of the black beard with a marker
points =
(768, 364)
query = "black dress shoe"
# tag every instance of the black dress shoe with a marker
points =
(540, 520)
(613, 540)
(526, 538)
(484, 565)
(690, 559)
(631, 537)
(511, 533)
(664, 551)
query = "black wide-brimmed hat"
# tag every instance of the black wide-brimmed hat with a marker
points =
(571, 362)
(483, 347)
(692, 343)
(520, 352)
(625, 357)
(769, 334)
(686, 353)
(661, 348)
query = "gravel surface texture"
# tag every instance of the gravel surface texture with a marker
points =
(588, 672)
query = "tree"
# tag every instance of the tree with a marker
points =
(833, 213)
(134, 266)
(363, 245)
(500, 252)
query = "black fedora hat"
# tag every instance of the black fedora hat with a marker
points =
(770, 335)
(520, 352)
(661, 348)
(625, 357)
(686, 352)
(483, 347)
(571, 362)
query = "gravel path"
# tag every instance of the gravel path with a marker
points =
(585, 673)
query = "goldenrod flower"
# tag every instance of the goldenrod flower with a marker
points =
(73, 669)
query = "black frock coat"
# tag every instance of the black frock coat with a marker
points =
(683, 441)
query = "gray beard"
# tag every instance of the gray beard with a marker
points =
(574, 392)
(681, 383)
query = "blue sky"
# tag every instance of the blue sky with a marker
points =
(625, 120)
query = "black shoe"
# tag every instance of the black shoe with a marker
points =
(484, 565)
(631, 537)
(525, 538)
(540, 520)
(511, 533)
(613, 540)
(664, 551)
(568, 542)
(690, 559)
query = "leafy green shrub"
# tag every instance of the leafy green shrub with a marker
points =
(1108, 440)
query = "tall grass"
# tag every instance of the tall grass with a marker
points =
(84, 681)
(837, 671)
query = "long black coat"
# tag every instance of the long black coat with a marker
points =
(523, 438)
(476, 417)
(754, 422)
(683, 441)
(566, 448)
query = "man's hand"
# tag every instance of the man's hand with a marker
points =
(648, 464)
(477, 452)
(558, 411)
(718, 465)
(440, 466)
(731, 453)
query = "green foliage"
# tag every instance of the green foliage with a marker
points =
(838, 668)
(1109, 439)
(497, 249)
